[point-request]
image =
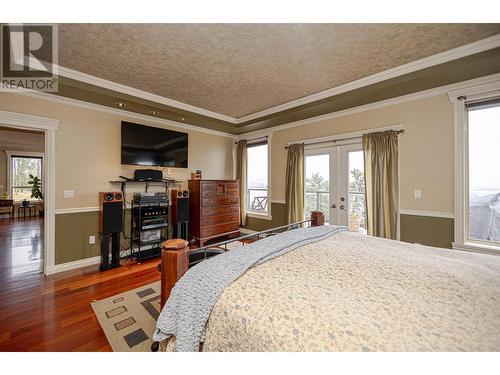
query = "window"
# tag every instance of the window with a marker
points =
(257, 178)
(20, 169)
(477, 157)
(483, 183)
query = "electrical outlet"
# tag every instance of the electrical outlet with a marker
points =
(418, 194)
(91, 240)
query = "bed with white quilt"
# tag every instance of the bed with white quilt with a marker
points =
(327, 289)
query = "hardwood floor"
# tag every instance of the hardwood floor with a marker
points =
(53, 313)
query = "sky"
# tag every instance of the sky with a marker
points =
(257, 166)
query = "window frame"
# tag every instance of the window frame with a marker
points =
(459, 99)
(28, 154)
(255, 142)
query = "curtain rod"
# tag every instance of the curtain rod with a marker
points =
(400, 131)
(253, 140)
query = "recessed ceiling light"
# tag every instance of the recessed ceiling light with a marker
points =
(155, 113)
(120, 104)
(182, 118)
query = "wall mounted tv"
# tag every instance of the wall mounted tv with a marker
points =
(147, 145)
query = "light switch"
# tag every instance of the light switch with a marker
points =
(68, 194)
(91, 240)
(418, 194)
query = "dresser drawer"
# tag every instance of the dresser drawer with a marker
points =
(207, 202)
(214, 230)
(224, 194)
(209, 211)
(218, 219)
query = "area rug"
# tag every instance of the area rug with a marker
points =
(129, 319)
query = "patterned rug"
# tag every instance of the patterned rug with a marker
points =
(129, 319)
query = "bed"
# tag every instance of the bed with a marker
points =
(340, 291)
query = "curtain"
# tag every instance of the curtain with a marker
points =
(241, 175)
(295, 183)
(381, 179)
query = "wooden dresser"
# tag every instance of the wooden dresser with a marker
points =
(214, 209)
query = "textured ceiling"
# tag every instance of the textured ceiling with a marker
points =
(239, 69)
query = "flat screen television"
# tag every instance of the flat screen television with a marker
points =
(147, 145)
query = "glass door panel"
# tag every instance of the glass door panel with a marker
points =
(356, 192)
(334, 184)
(317, 184)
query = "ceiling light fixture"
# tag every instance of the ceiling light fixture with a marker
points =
(182, 118)
(120, 104)
(155, 113)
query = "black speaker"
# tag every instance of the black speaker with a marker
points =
(148, 175)
(110, 226)
(180, 213)
(182, 210)
(180, 206)
(110, 212)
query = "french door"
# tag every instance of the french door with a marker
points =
(335, 185)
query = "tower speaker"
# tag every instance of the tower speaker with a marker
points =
(180, 213)
(110, 226)
(110, 212)
(180, 206)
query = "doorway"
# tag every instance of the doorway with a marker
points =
(21, 201)
(335, 184)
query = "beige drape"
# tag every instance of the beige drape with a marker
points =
(241, 175)
(295, 183)
(381, 179)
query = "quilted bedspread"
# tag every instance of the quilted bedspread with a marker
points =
(352, 292)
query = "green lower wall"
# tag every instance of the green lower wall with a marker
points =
(431, 231)
(278, 214)
(73, 231)
(72, 236)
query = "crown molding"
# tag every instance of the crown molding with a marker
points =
(28, 121)
(441, 90)
(443, 57)
(96, 81)
(120, 112)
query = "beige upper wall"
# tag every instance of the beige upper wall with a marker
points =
(426, 149)
(88, 149)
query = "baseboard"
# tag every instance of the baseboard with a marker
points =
(72, 265)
